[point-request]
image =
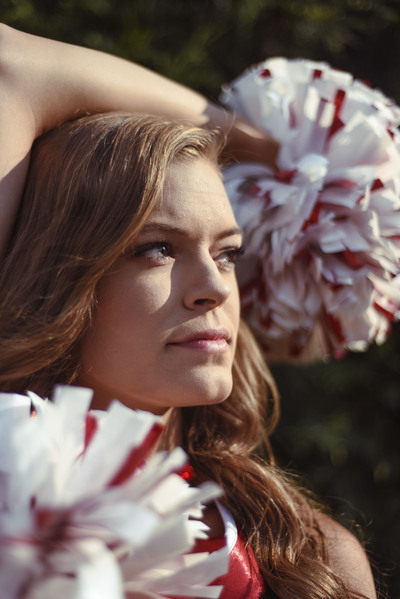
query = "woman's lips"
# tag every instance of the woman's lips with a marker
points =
(207, 345)
(212, 341)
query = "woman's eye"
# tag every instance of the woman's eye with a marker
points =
(158, 251)
(227, 259)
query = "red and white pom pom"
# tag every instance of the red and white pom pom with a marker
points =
(86, 511)
(323, 232)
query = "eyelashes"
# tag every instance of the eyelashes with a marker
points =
(236, 253)
(161, 251)
(155, 249)
(230, 257)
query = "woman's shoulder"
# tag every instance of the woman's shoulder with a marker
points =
(347, 556)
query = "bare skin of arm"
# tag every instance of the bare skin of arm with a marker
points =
(347, 557)
(44, 82)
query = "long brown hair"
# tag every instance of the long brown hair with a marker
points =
(92, 184)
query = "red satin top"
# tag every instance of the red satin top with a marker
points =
(243, 579)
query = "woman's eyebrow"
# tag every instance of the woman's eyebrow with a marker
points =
(167, 228)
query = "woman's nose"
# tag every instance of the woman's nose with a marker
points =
(206, 286)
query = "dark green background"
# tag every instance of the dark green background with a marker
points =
(341, 421)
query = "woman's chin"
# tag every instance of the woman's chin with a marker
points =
(209, 393)
(194, 388)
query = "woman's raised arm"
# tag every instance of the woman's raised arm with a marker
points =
(44, 82)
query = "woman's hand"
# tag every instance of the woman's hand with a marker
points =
(246, 143)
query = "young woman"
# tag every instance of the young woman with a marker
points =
(120, 276)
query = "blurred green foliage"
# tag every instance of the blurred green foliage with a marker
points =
(341, 420)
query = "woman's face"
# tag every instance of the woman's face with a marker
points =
(168, 310)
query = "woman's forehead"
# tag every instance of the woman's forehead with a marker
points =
(194, 193)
